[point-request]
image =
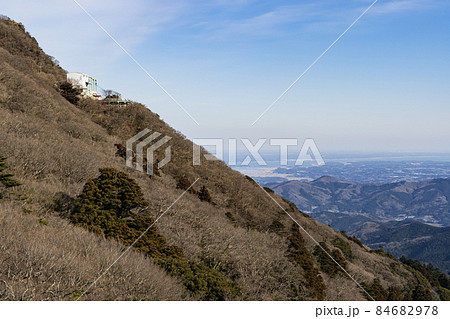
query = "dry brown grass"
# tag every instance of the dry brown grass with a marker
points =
(57, 261)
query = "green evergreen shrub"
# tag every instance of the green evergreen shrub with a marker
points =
(113, 205)
(300, 254)
(121, 150)
(276, 227)
(357, 241)
(231, 217)
(376, 290)
(5, 178)
(69, 92)
(327, 265)
(183, 183)
(203, 195)
(421, 294)
(251, 180)
(344, 246)
(437, 279)
(269, 190)
(352, 238)
(395, 294)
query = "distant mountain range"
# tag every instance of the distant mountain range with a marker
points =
(414, 240)
(396, 216)
(424, 201)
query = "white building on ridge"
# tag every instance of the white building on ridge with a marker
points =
(85, 82)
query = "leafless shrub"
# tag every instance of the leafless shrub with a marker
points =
(58, 261)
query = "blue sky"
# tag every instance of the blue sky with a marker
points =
(385, 86)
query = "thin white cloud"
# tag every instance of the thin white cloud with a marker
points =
(278, 16)
(399, 6)
(270, 21)
(317, 15)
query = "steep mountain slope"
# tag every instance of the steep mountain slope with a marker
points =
(413, 240)
(424, 201)
(54, 148)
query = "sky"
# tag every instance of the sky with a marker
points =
(384, 86)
